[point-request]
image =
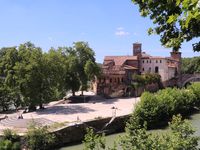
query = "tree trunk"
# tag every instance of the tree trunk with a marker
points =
(73, 93)
(31, 108)
(41, 106)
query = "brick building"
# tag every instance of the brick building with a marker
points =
(117, 71)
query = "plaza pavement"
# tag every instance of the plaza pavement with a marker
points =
(60, 111)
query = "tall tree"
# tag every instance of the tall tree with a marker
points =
(9, 58)
(87, 67)
(34, 76)
(175, 21)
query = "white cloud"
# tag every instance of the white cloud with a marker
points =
(121, 32)
(120, 28)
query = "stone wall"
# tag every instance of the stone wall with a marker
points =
(76, 133)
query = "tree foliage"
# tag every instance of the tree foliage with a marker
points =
(146, 79)
(10, 141)
(190, 65)
(39, 138)
(157, 108)
(94, 141)
(175, 21)
(29, 77)
(181, 136)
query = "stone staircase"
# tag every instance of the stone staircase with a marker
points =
(24, 123)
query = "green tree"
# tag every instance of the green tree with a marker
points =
(5, 97)
(9, 58)
(87, 67)
(175, 21)
(190, 65)
(94, 141)
(72, 80)
(29, 73)
(35, 76)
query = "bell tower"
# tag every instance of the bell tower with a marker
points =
(137, 49)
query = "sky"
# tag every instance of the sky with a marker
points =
(109, 26)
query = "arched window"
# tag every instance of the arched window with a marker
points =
(156, 69)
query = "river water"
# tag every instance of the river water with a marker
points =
(194, 119)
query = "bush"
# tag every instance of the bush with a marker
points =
(149, 109)
(180, 137)
(39, 138)
(161, 106)
(195, 88)
(93, 141)
(10, 141)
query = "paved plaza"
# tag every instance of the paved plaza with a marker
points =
(60, 111)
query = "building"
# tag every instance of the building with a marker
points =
(117, 71)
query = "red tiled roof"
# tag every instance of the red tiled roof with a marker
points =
(170, 58)
(120, 60)
(171, 66)
(157, 57)
(130, 67)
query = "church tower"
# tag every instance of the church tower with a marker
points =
(137, 49)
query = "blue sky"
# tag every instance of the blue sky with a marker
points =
(110, 27)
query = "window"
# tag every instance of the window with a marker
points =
(110, 80)
(156, 61)
(122, 80)
(118, 80)
(160, 61)
(143, 61)
(150, 61)
(156, 69)
(147, 61)
(142, 69)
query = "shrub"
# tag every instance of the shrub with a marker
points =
(10, 141)
(161, 106)
(180, 137)
(150, 109)
(93, 141)
(195, 88)
(39, 138)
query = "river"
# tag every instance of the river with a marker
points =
(195, 120)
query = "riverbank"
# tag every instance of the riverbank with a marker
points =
(76, 133)
(194, 118)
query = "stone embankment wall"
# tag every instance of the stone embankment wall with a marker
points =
(76, 133)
